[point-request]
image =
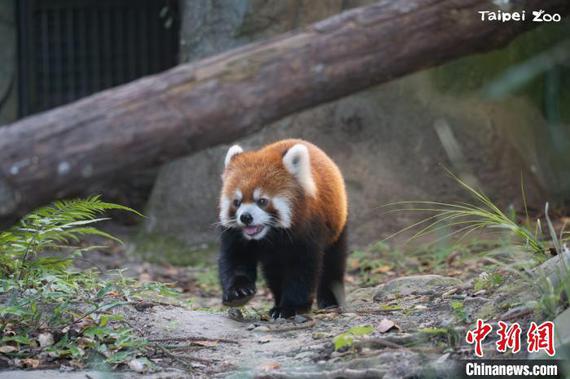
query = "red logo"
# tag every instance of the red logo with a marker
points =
(509, 337)
(478, 335)
(539, 337)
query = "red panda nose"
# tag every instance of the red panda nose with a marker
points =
(246, 218)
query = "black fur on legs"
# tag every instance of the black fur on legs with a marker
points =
(331, 284)
(237, 267)
(294, 263)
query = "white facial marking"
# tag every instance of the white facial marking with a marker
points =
(225, 204)
(297, 161)
(283, 206)
(232, 151)
(257, 194)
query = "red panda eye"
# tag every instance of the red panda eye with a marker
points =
(237, 203)
(262, 202)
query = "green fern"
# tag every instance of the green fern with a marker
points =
(51, 228)
(41, 293)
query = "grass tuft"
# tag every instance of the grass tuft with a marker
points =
(463, 218)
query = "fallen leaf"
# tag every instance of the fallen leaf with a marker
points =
(270, 366)
(381, 269)
(31, 363)
(8, 349)
(354, 264)
(387, 325)
(206, 343)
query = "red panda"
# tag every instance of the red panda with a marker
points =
(285, 207)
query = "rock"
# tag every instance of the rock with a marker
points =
(561, 337)
(554, 269)
(361, 295)
(364, 133)
(408, 285)
(45, 339)
(137, 365)
(386, 325)
(305, 355)
(301, 319)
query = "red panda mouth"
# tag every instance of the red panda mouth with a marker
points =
(252, 230)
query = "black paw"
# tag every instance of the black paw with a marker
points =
(282, 312)
(239, 294)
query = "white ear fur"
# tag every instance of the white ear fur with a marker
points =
(232, 151)
(298, 162)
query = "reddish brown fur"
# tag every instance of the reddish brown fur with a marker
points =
(264, 169)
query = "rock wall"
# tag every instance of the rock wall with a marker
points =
(391, 142)
(8, 65)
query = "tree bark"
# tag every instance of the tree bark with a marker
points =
(219, 99)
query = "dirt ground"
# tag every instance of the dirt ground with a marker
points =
(406, 315)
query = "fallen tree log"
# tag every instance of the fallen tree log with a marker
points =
(219, 99)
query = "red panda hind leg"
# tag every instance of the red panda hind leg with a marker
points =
(331, 284)
(291, 269)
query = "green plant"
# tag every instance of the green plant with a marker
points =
(48, 229)
(488, 281)
(462, 218)
(346, 339)
(459, 310)
(466, 218)
(47, 308)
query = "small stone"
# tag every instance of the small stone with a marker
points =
(137, 365)
(443, 358)
(45, 339)
(305, 355)
(320, 335)
(235, 314)
(449, 293)
(300, 319)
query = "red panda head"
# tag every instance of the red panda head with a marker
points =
(262, 189)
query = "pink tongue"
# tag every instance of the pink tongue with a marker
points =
(251, 229)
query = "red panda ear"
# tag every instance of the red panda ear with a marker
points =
(232, 152)
(298, 162)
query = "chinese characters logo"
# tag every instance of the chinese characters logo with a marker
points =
(538, 337)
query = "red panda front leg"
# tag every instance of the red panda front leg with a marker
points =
(237, 267)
